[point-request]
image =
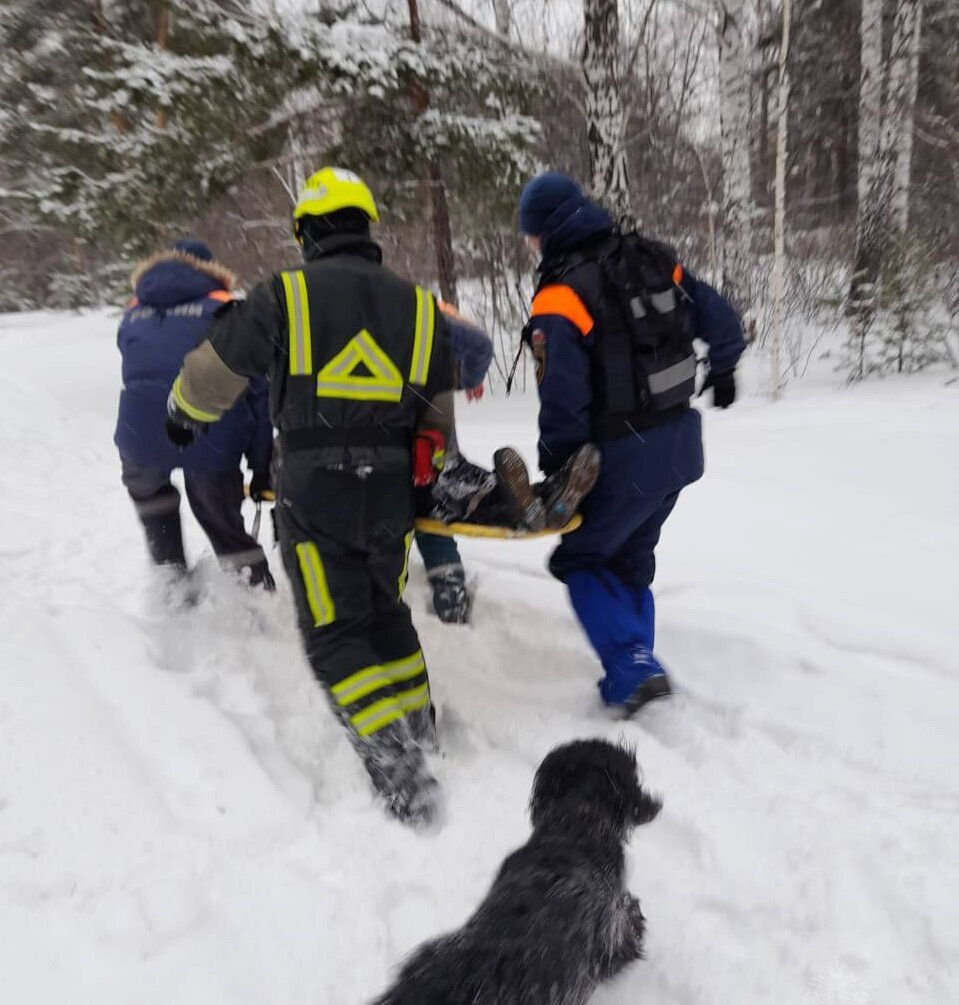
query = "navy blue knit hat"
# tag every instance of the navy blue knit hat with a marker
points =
(191, 246)
(545, 194)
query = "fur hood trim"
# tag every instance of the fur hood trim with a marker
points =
(213, 269)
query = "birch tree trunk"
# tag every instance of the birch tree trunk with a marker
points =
(605, 114)
(870, 213)
(734, 115)
(901, 109)
(503, 16)
(885, 156)
(779, 224)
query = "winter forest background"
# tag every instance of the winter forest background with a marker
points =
(802, 154)
(181, 817)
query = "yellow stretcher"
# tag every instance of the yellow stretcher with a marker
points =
(477, 529)
(490, 530)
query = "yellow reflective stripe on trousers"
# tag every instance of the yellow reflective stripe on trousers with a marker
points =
(371, 679)
(191, 410)
(298, 322)
(423, 336)
(382, 713)
(405, 574)
(317, 589)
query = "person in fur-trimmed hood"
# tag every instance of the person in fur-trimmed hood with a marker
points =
(177, 294)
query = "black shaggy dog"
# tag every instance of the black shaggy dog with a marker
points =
(558, 919)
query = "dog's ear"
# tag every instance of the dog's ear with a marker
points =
(642, 807)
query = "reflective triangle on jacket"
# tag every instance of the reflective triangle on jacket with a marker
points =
(361, 371)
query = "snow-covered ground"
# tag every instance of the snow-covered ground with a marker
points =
(181, 820)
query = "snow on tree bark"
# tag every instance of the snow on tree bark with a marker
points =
(871, 208)
(734, 67)
(503, 16)
(779, 222)
(901, 107)
(605, 115)
(440, 213)
(885, 155)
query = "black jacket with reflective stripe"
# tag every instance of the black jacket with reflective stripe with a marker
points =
(348, 345)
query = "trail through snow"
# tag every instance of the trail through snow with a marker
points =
(181, 820)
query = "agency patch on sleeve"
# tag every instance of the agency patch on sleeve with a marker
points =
(537, 343)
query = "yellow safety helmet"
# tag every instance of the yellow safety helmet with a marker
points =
(330, 189)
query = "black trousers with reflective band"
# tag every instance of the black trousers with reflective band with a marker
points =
(345, 543)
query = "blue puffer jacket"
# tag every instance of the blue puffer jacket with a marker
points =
(565, 381)
(176, 298)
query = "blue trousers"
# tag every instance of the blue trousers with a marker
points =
(438, 552)
(609, 564)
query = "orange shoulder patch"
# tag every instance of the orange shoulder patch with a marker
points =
(565, 302)
(222, 295)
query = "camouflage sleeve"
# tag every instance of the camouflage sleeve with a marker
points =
(241, 344)
(206, 387)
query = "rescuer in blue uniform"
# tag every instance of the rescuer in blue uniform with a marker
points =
(611, 330)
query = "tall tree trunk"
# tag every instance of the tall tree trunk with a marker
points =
(442, 232)
(605, 114)
(119, 121)
(896, 157)
(901, 107)
(870, 212)
(885, 155)
(779, 223)
(162, 33)
(503, 15)
(734, 74)
(762, 189)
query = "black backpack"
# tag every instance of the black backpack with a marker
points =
(645, 361)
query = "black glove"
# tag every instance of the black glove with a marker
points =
(261, 484)
(181, 430)
(180, 434)
(723, 385)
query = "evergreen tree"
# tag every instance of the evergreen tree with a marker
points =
(123, 119)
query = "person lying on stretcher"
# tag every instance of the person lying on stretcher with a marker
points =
(451, 489)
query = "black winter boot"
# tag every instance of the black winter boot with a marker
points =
(160, 517)
(451, 599)
(563, 491)
(394, 760)
(423, 727)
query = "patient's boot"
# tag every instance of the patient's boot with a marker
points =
(523, 504)
(563, 491)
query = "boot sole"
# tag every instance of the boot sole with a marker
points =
(650, 690)
(582, 476)
(524, 505)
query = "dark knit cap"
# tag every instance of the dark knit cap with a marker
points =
(190, 246)
(545, 194)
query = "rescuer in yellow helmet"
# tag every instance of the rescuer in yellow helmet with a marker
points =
(359, 363)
